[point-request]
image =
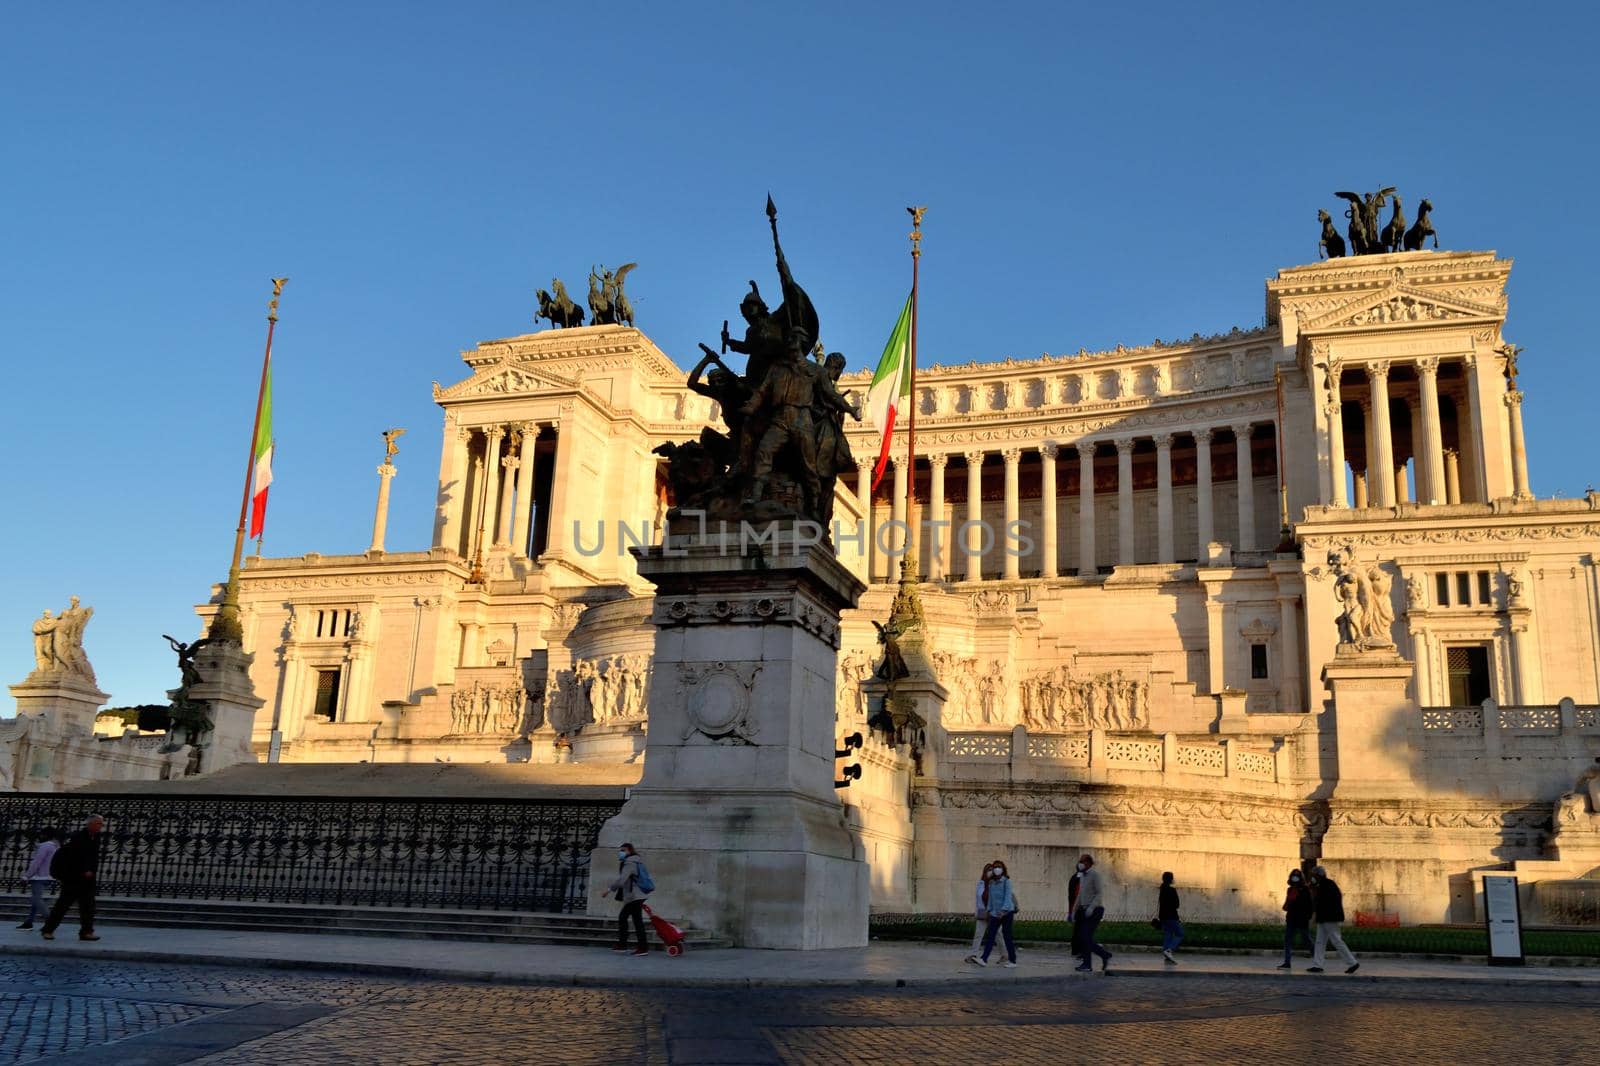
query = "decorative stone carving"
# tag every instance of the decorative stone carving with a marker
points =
(58, 645)
(1366, 614)
(1053, 699)
(718, 699)
(489, 710)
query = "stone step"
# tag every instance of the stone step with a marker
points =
(480, 926)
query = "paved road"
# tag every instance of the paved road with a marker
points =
(88, 1011)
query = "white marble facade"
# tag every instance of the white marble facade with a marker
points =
(1162, 625)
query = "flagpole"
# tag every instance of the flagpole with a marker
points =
(909, 566)
(226, 626)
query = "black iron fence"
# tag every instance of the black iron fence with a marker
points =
(511, 854)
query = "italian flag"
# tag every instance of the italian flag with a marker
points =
(890, 391)
(263, 468)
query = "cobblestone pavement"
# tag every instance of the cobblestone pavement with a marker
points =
(89, 1011)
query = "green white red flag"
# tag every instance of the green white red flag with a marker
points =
(262, 477)
(889, 395)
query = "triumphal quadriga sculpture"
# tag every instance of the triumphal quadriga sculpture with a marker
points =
(1210, 605)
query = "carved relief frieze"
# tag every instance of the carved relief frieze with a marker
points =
(1453, 535)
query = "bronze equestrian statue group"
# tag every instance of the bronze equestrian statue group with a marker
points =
(608, 304)
(1366, 236)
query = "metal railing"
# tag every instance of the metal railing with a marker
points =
(509, 854)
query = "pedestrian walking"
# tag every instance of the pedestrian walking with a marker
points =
(1167, 913)
(631, 885)
(1000, 904)
(38, 875)
(1090, 912)
(1329, 912)
(1073, 884)
(76, 864)
(980, 913)
(1298, 907)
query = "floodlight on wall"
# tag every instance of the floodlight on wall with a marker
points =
(850, 773)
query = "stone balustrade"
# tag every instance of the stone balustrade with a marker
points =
(1532, 753)
(1029, 754)
(1548, 720)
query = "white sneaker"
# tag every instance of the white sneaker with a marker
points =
(1010, 965)
(976, 961)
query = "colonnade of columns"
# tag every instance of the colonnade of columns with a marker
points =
(497, 461)
(956, 550)
(1381, 478)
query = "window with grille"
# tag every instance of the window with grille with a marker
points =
(326, 704)
(1468, 668)
(1258, 661)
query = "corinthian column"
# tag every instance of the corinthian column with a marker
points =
(488, 466)
(1165, 553)
(1086, 560)
(899, 538)
(1519, 447)
(974, 516)
(1202, 494)
(1047, 501)
(1380, 467)
(380, 518)
(1013, 457)
(1335, 414)
(1430, 460)
(1247, 487)
(937, 538)
(864, 504)
(524, 514)
(508, 480)
(1125, 502)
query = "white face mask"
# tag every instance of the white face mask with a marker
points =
(998, 874)
(1081, 867)
(622, 855)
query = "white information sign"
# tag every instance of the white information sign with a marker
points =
(1502, 913)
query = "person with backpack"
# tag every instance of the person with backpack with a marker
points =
(1330, 912)
(75, 865)
(631, 885)
(38, 875)
(1298, 907)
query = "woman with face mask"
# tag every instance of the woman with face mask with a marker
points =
(1297, 910)
(1000, 905)
(625, 889)
(981, 912)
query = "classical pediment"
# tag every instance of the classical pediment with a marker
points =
(1399, 305)
(504, 379)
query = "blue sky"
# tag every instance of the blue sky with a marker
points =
(1093, 177)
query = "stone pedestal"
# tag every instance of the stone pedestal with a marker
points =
(70, 699)
(225, 688)
(736, 814)
(1373, 721)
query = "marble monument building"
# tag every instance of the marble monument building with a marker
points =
(1210, 605)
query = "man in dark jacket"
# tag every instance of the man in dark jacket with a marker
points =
(1330, 912)
(75, 866)
(1167, 915)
